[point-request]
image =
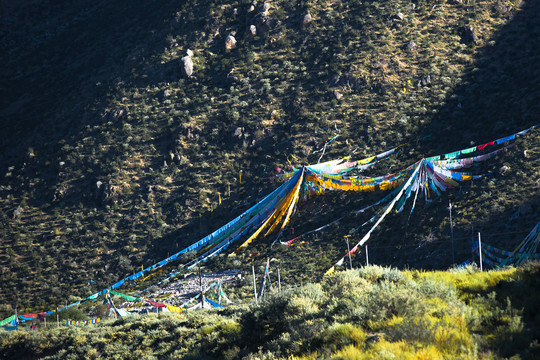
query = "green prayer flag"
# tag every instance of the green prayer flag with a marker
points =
(452, 155)
(469, 150)
(91, 297)
(434, 158)
(127, 297)
(7, 321)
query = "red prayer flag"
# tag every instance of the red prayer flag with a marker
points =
(155, 304)
(481, 147)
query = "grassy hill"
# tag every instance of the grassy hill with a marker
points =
(112, 158)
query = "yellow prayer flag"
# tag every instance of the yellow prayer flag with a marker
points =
(175, 309)
(367, 160)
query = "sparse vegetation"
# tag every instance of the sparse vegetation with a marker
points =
(373, 312)
(111, 158)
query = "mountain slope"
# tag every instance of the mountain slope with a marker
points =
(112, 157)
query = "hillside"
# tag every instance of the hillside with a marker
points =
(370, 313)
(112, 158)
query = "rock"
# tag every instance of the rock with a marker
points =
(426, 80)
(189, 53)
(266, 7)
(307, 19)
(411, 46)
(99, 192)
(17, 212)
(337, 95)
(166, 93)
(253, 30)
(503, 169)
(230, 41)
(469, 35)
(238, 132)
(188, 66)
(399, 16)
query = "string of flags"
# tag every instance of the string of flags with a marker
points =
(432, 175)
(526, 250)
(215, 289)
(427, 177)
(83, 322)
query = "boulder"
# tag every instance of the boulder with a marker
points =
(188, 66)
(426, 80)
(253, 30)
(307, 19)
(411, 46)
(230, 41)
(17, 212)
(238, 132)
(266, 7)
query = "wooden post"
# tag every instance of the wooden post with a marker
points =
(200, 280)
(367, 257)
(348, 250)
(219, 195)
(480, 251)
(452, 232)
(279, 279)
(229, 190)
(254, 284)
(240, 176)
